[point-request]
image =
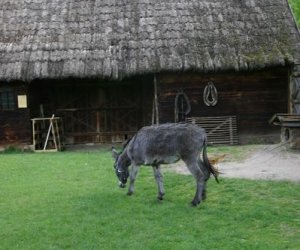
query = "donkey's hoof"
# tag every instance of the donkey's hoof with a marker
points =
(129, 193)
(160, 198)
(195, 203)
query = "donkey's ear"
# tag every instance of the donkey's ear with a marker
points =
(114, 152)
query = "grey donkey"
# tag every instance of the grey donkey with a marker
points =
(165, 144)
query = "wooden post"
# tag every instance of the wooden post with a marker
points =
(48, 134)
(33, 135)
(57, 134)
(153, 112)
(230, 130)
(156, 101)
(53, 132)
(290, 92)
(98, 121)
(42, 115)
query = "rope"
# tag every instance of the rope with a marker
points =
(267, 150)
(184, 98)
(210, 95)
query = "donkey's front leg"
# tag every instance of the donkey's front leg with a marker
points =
(133, 174)
(159, 179)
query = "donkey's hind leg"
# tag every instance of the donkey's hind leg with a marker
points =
(159, 179)
(200, 182)
(206, 177)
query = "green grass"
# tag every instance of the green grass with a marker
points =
(70, 200)
(295, 4)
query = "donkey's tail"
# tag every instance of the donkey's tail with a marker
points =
(215, 172)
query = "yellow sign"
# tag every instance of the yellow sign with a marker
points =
(22, 101)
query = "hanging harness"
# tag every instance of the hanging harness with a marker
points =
(179, 106)
(210, 95)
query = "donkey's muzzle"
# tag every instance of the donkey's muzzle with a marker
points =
(122, 185)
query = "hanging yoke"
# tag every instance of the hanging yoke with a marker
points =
(179, 107)
(210, 95)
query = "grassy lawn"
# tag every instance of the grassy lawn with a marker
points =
(295, 4)
(70, 200)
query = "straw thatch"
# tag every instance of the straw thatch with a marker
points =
(118, 38)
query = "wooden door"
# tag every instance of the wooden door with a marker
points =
(295, 91)
(100, 114)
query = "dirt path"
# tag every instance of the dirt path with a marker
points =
(271, 162)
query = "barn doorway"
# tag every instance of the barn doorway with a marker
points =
(93, 111)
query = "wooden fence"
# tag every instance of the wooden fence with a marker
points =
(221, 130)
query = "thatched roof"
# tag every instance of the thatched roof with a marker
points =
(118, 38)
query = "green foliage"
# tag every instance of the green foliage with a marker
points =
(295, 4)
(70, 200)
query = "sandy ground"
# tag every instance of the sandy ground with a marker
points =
(271, 162)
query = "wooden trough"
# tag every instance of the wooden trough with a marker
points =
(290, 129)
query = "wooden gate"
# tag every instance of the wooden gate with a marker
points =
(221, 130)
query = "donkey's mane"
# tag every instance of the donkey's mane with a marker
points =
(127, 142)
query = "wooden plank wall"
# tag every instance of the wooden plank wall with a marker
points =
(253, 97)
(15, 124)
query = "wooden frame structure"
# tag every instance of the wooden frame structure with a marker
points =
(47, 134)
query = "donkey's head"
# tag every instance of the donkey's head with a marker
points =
(121, 167)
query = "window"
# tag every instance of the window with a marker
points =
(7, 99)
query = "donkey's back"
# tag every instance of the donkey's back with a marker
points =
(166, 143)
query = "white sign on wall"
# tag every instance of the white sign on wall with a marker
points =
(22, 101)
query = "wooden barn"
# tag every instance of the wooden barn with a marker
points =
(109, 67)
